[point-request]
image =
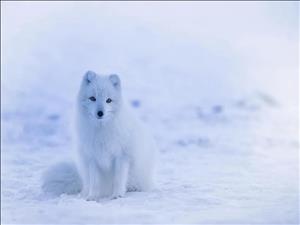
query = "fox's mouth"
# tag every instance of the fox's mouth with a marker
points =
(101, 119)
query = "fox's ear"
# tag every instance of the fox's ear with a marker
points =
(89, 76)
(115, 80)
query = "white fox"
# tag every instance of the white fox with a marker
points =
(115, 155)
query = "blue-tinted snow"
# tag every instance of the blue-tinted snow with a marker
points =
(216, 83)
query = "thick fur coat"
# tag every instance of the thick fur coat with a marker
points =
(114, 153)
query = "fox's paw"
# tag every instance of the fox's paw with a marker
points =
(84, 193)
(92, 197)
(116, 196)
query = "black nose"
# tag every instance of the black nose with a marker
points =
(100, 113)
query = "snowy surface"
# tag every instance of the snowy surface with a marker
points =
(217, 84)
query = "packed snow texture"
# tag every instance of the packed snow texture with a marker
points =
(215, 82)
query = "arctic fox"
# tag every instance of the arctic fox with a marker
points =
(115, 154)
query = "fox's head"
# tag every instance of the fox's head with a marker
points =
(100, 97)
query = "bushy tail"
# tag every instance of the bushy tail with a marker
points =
(62, 178)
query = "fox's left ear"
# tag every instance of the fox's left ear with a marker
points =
(115, 80)
(89, 76)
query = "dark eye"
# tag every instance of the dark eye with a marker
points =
(108, 100)
(92, 98)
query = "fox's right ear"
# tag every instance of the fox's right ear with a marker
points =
(115, 80)
(89, 76)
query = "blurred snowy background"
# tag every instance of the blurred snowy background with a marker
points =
(216, 82)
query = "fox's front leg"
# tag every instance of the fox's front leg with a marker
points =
(120, 176)
(85, 176)
(94, 182)
(91, 181)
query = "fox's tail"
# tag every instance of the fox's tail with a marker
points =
(62, 178)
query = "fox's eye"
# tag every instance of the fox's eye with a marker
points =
(92, 98)
(108, 100)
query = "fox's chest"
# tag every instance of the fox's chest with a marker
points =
(105, 149)
(103, 146)
(107, 146)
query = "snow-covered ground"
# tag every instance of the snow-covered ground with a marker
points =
(216, 82)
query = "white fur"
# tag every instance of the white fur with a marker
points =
(62, 178)
(114, 153)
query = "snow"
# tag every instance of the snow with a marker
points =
(215, 82)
